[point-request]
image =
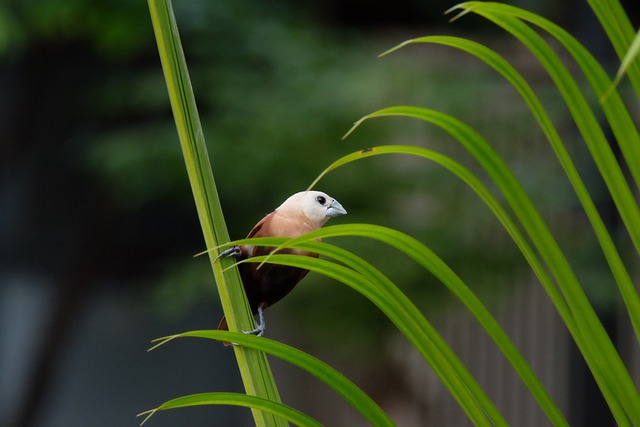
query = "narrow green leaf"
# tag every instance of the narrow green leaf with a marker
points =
(622, 277)
(464, 389)
(629, 58)
(589, 334)
(477, 186)
(583, 115)
(278, 409)
(254, 369)
(615, 382)
(430, 261)
(415, 327)
(320, 370)
(618, 27)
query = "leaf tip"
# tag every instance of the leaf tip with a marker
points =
(353, 128)
(148, 414)
(463, 8)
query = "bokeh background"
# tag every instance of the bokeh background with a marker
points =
(98, 227)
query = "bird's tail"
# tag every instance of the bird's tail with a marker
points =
(222, 326)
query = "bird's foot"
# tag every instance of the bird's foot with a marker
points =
(258, 331)
(260, 327)
(231, 252)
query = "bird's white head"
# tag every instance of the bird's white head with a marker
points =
(316, 206)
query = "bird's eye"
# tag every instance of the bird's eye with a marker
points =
(321, 200)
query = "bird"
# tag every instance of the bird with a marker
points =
(301, 213)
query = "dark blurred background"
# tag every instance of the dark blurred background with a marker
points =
(98, 227)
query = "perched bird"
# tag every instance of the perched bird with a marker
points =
(299, 214)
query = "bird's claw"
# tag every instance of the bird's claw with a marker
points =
(260, 327)
(231, 252)
(259, 331)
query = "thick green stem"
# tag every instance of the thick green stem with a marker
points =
(254, 369)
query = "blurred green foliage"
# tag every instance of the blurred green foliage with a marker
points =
(114, 27)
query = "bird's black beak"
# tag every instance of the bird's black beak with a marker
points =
(335, 209)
